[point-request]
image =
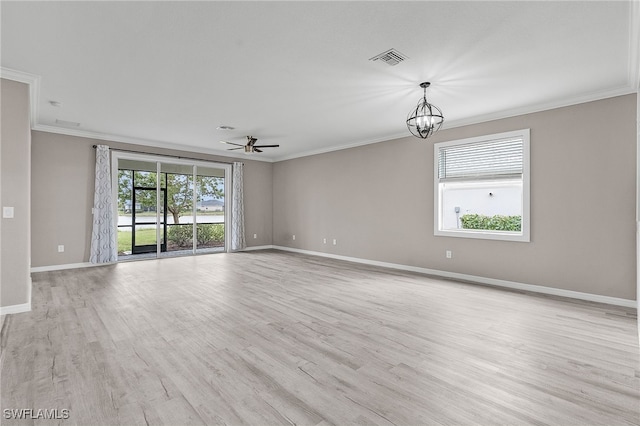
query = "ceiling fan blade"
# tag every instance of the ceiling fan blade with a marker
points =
(233, 149)
(256, 149)
(231, 143)
(266, 146)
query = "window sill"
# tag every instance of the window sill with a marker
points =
(485, 235)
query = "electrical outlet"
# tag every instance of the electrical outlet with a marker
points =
(294, 237)
(255, 236)
(449, 254)
(335, 242)
(324, 241)
(60, 248)
(7, 212)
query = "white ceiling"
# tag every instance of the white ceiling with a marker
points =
(298, 73)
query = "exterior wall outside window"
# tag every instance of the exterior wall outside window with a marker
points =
(486, 198)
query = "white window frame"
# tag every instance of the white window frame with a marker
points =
(524, 235)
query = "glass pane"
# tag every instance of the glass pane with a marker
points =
(210, 207)
(125, 188)
(482, 205)
(136, 207)
(179, 204)
(146, 214)
(145, 207)
(145, 236)
(125, 203)
(124, 241)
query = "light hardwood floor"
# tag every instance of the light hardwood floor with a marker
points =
(269, 337)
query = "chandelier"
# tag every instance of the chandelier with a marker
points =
(425, 119)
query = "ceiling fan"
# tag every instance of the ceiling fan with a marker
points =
(250, 146)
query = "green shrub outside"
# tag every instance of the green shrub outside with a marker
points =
(491, 223)
(181, 236)
(207, 233)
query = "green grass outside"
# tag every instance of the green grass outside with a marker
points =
(143, 237)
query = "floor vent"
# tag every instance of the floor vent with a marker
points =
(390, 57)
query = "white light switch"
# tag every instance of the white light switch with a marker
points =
(7, 212)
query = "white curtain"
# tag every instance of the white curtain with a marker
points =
(104, 246)
(237, 209)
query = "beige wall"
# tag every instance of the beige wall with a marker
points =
(377, 201)
(63, 170)
(15, 280)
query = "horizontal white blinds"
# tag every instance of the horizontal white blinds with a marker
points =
(481, 160)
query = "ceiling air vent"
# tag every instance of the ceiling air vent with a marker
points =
(390, 57)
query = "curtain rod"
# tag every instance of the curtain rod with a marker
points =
(168, 155)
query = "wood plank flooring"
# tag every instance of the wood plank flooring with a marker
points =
(267, 337)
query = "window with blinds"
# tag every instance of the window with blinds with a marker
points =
(481, 160)
(482, 187)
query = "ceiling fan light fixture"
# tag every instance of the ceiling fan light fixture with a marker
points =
(250, 147)
(425, 119)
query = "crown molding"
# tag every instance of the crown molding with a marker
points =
(20, 76)
(31, 80)
(142, 142)
(498, 115)
(545, 106)
(633, 86)
(340, 147)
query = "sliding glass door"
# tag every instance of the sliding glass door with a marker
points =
(179, 183)
(210, 209)
(169, 207)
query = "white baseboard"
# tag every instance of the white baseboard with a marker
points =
(15, 309)
(629, 303)
(473, 278)
(258, 248)
(67, 266)
(23, 307)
